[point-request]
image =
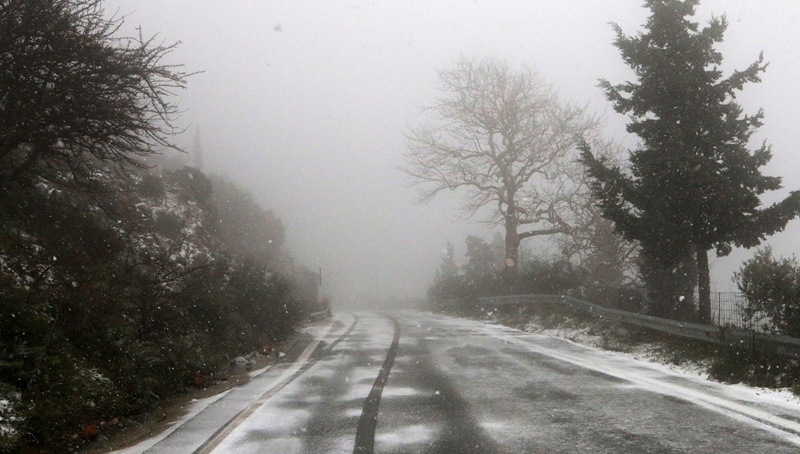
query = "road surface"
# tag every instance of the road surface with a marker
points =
(411, 382)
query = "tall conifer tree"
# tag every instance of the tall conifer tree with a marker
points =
(693, 184)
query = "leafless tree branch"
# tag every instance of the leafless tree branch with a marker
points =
(504, 140)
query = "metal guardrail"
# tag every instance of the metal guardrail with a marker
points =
(780, 345)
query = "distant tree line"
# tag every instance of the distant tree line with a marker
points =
(122, 283)
(605, 279)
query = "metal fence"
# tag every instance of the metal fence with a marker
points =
(727, 310)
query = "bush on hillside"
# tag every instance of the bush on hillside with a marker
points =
(112, 303)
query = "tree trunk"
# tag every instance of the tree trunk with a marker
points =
(703, 285)
(670, 284)
(512, 255)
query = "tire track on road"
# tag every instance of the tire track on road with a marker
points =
(365, 432)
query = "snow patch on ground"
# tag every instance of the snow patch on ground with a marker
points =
(357, 392)
(413, 434)
(362, 374)
(402, 392)
(649, 353)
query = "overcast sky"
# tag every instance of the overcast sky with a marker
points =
(304, 103)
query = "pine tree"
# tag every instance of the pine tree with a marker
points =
(449, 268)
(479, 271)
(693, 184)
(448, 282)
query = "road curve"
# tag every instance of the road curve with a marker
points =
(414, 382)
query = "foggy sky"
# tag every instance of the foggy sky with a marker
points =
(304, 103)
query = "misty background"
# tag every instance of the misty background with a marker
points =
(305, 103)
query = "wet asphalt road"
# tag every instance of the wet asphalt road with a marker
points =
(410, 382)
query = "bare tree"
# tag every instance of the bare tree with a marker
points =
(503, 137)
(74, 95)
(592, 244)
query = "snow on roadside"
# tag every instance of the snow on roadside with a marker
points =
(650, 353)
(194, 409)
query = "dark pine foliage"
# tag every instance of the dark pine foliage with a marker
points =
(693, 184)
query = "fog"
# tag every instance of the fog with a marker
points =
(304, 103)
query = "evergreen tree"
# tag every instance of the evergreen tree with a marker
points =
(479, 271)
(449, 267)
(448, 282)
(693, 184)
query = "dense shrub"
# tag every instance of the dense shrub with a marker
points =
(555, 277)
(116, 300)
(755, 367)
(458, 288)
(771, 287)
(476, 279)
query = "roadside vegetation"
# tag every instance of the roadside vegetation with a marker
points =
(125, 280)
(114, 302)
